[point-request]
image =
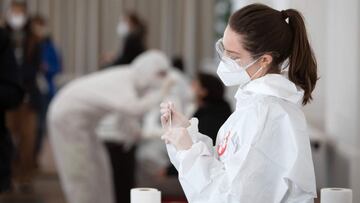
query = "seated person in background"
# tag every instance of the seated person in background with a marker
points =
(213, 109)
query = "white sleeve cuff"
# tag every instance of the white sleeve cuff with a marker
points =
(193, 165)
(193, 129)
(197, 149)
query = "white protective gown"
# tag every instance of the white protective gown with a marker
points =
(262, 152)
(75, 112)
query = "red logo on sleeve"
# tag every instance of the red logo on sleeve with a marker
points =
(221, 148)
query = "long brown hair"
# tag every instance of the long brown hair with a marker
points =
(137, 23)
(281, 34)
(33, 39)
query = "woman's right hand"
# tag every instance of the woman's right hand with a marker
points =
(178, 120)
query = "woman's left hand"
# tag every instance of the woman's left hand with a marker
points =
(179, 137)
(168, 112)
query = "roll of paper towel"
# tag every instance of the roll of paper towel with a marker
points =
(336, 195)
(145, 195)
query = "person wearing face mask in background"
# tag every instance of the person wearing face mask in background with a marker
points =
(50, 66)
(77, 110)
(262, 152)
(11, 95)
(16, 23)
(132, 31)
(22, 121)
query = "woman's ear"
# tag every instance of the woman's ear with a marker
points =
(266, 60)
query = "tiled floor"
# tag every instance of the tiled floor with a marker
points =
(46, 189)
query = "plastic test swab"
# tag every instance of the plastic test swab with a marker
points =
(170, 120)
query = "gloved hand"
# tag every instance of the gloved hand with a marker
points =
(168, 111)
(179, 137)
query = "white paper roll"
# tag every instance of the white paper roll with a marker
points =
(336, 195)
(145, 195)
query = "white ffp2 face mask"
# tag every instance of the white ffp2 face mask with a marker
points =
(122, 29)
(232, 74)
(16, 21)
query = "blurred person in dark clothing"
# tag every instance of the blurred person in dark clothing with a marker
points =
(213, 110)
(132, 30)
(22, 121)
(178, 63)
(11, 95)
(50, 66)
(16, 23)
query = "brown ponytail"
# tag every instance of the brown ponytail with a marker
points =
(266, 30)
(302, 62)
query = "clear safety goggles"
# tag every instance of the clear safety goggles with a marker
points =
(223, 56)
(227, 59)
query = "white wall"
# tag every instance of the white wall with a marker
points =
(315, 13)
(342, 85)
(84, 30)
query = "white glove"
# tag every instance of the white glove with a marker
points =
(175, 123)
(172, 118)
(179, 137)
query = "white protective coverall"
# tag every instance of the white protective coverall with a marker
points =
(262, 152)
(75, 112)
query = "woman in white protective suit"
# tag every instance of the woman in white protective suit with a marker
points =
(262, 152)
(147, 154)
(75, 112)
